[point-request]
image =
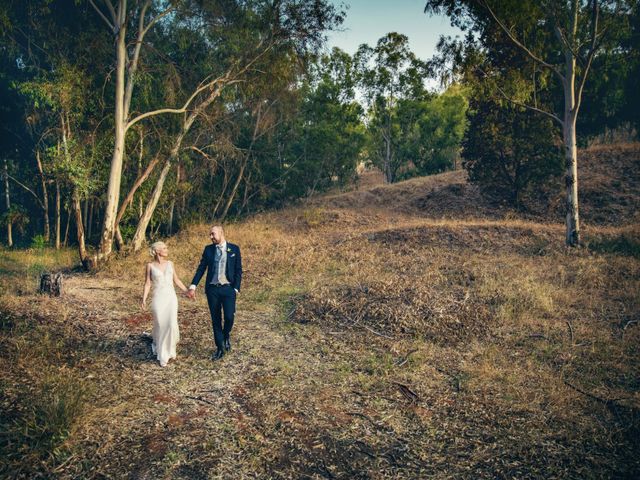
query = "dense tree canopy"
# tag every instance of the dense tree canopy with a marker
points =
(123, 121)
(540, 55)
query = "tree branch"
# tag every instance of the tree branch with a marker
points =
(563, 40)
(224, 80)
(184, 107)
(521, 104)
(133, 65)
(27, 189)
(592, 51)
(111, 25)
(157, 18)
(523, 47)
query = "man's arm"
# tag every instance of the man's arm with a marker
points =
(237, 275)
(199, 271)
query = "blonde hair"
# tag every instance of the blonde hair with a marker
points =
(153, 250)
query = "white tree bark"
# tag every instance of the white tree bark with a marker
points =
(116, 19)
(82, 249)
(141, 230)
(45, 199)
(140, 235)
(7, 202)
(57, 215)
(572, 90)
(120, 119)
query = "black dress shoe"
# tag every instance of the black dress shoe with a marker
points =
(218, 355)
(227, 344)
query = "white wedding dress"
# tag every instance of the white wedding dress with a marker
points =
(164, 307)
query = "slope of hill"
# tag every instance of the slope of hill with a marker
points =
(609, 182)
(403, 331)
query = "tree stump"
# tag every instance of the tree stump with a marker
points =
(51, 283)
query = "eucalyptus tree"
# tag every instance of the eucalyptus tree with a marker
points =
(236, 46)
(389, 73)
(119, 17)
(330, 134)
(53, 80)
(558, 38)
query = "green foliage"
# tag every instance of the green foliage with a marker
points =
(489, 57)
(329, 133)
(511, 153)
(442, 127)
(16, 216)
(392, 79)
(39, 242)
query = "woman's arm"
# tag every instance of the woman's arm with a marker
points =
(147, 285)
(177, 281)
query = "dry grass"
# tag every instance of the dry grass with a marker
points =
(376, 337)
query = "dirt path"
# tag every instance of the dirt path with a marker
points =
(259, 412)
(319, 400)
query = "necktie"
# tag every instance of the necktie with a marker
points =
(218, 257)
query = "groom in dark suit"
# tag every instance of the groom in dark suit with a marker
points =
(223, 264)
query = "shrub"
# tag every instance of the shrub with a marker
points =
(39, 242)
(512, 154)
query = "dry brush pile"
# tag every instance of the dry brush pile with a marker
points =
(393, 310)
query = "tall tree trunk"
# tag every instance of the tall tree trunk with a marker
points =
(173, 200)
(571, 105)
(85, 212)
(387, 162)
(141, 230)
(66, 229)
(8, 203)
(77, 210)
(90, 222)
(129, 199)
(225, 182)
(57, 215)
(45, 199)
(234, 190)
(75, 198)
(571, 179)
(388, 171)
(120, 120)
(245, 196)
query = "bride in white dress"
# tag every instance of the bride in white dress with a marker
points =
(164, 303)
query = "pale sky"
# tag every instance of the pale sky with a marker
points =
(368, 20)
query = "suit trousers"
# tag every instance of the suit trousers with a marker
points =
(221, 299)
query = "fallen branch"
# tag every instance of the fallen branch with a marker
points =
(200, 399)
(590, 395)
(406, 358)
(378, 333)
(630, 322)
(409, 394)
(570, 330)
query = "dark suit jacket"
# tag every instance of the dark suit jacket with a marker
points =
(233, 270)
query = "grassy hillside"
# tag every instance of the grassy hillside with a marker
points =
(609, 186)
(404, 331)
